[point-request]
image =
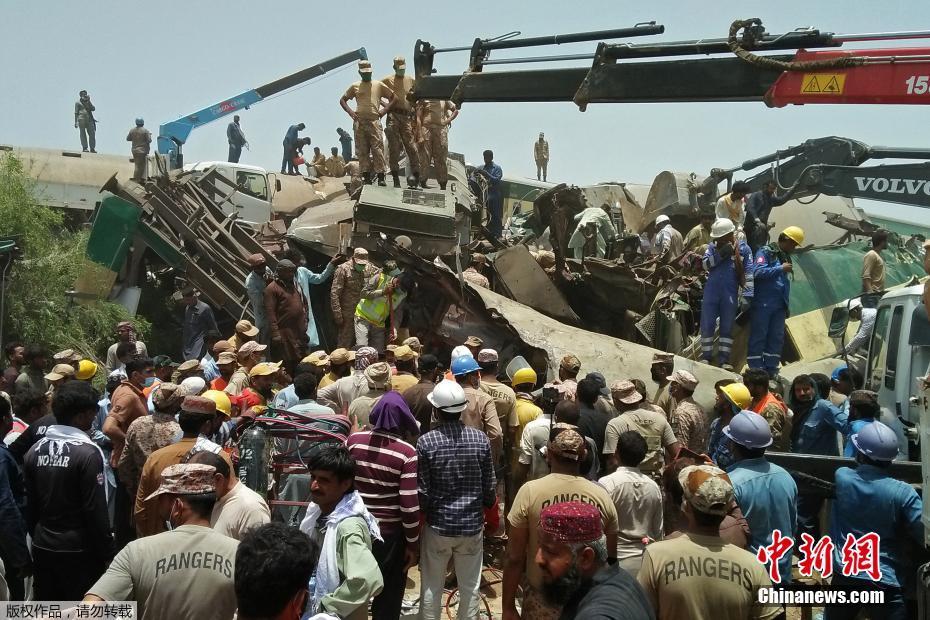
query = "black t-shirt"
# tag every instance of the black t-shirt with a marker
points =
(593, 423)
(66, 487)
(611, 595)
(29, 437)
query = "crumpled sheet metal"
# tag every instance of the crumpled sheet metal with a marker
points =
(615, 358)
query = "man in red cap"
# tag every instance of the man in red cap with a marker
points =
(576, 576)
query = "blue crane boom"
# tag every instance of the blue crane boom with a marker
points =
(173, 135)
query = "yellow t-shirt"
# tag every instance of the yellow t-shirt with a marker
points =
(553, 489)
(328, 379)
(367, 97)
(695, 576)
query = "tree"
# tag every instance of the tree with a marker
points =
(38, 307)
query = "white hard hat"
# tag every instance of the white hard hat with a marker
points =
(749, 429)
(662, 219)
(461, 351)
(721, 228)
(448, 396)
(855, 303)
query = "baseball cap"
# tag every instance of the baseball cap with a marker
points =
(198, 405)
(167, 396)
(567, 442)
(601, 381)
(317, 358)
(414, 343)
(59, 372)
(186, 479)
(68, 355)
(264, 369)
(246, 328)
(364, 66)
(360, 256)
(162, 361)
(189, 365)
(685, 379)
(863, 397)
(226, 357)
(473, 341)
(486, 356)
(625, 392)
(663, 358)
(570, 362)
(251, 347)
(222, 345)
(400, 62)
(341, 356)
(572, 522)
(403, 353)
(707, 488)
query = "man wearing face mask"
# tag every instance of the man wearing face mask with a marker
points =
(369, 137)
(346, 291)
(160, 572)
(286, 309)
(400, 121)
(380, 299)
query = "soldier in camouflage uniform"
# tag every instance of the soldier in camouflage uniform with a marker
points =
(346, 291)
(436, 116)
(369, 136)
(400, 122)
(688, 420)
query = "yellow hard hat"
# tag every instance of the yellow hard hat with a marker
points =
(222, 401)
(738, 394)
(794, 233)
(86, 370)
(524, 376)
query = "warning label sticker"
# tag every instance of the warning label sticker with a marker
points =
(823, 83)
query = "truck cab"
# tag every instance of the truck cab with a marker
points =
(256, 188)
(898, 361)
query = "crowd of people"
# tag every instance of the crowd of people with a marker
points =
(614, 499)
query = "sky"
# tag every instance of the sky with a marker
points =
(162, 60)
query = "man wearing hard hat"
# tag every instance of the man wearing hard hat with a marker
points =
(729, 266)
(770, 300)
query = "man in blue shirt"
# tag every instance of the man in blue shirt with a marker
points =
(758, 207)
(456, 483)
(765, 492)
(770, 300)
(290, 149)
(869, 501)
(863, 410)
(345, 141)
(495, 199)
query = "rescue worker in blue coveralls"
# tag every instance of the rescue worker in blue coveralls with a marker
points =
(730, 268)
(871, 504)
(770, 302)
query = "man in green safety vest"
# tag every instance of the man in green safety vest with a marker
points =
(381, 296)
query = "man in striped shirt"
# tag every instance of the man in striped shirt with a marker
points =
(386, 479)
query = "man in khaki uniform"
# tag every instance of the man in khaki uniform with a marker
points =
(873, 265)
(435, 116)
(400, 122)
(688, 420)
(369, 137)
(541, 155)
(346, 292)
(335, 165)
(652, 426)
(141, 140)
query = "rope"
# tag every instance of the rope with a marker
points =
(763, 62)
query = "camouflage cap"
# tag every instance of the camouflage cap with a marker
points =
(189, 365)
(625, 392)
(572, 522)
(251, 347)
(663, 358)
(571, 362)
(198, 405)
(378, 375)
(707, 488)
(364, 66)
(414, 343)
(685, 379)
(66, 356)
(186, 479)
(167, 396)
(568, 443)
(226, 357)
(473, 341)
(486, 356)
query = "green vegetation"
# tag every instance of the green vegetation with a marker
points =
(38, 308)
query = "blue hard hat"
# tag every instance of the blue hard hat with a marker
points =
(877, 441)
(749, 429)
(836, 372)
(140, 122)
(464, 365)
